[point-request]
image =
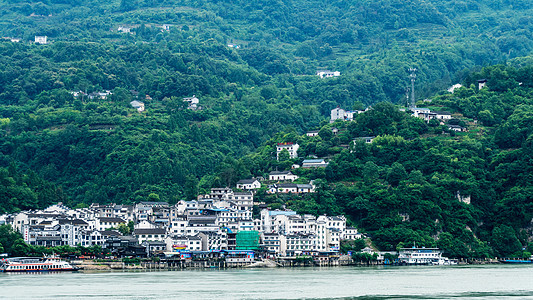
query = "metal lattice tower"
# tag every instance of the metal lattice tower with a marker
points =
(413, 78)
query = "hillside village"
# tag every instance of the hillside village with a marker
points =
(219, 221)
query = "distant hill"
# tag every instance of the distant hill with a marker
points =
(67, 123)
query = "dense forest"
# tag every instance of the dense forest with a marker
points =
(252, 65)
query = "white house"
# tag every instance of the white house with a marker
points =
(366, 139)
(312, 133)
(314, 163)
(282, 176)
(43, 40)
(274, 243)
(192, 102)
(286, 188)
(327, 73)
(124, 29)
(105, 223)
(351, 233)
(337, 113)
(155, 234)
(139, 106)
(457, 128)
(481, 83)
(248, 184)
(341, 114)
(420, 110)
(290, 147)
(183, 242)
(443, 115)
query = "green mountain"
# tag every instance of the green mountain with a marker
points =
(252, 65)
(469, 193)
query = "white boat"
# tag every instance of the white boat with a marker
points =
(35, 264)
(423, 256)
(444, 261)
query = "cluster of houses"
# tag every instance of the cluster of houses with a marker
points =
(192, 102)
(442, 116)
(213, 222)
(128, 28)
(102, 95)
(279, 182)
(292, 149)
(424, 113)
(38, 39)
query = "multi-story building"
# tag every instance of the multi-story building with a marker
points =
(290, 147)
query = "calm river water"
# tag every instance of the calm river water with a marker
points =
(435, 282)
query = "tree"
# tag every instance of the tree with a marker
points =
(486, 117)
(8, 237)
(127, 5)
(284, 155)
(396, 174)
(153, 197)
(124, 229)
(370, 172)
(352, 245)
(504, 241)
(20, 248)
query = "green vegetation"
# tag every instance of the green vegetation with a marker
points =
(466, 192)
(405, 187)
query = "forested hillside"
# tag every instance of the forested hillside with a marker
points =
(252, 65)
(469, 193)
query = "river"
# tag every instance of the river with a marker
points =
(421, 282)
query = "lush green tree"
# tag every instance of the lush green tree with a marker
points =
(504, 241)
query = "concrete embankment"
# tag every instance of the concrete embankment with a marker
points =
(105, 265)
(267, 263)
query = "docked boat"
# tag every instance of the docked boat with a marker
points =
(35, 264)
(423, 256)
(517, 260)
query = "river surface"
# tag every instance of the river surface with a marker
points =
(421, 282)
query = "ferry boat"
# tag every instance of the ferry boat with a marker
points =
(35, 264)
(423, 256)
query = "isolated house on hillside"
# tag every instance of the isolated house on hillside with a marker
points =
(312, 133)
(366, 139)
(481, 83)
(43, 40)
(124, 29)
(192, 102)
(327, 73)
(138, 105)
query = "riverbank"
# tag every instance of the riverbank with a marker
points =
(147, 265)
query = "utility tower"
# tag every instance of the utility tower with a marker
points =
(406, 97)
(413, 78)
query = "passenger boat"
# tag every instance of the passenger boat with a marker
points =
(35, 264)
(423, 256)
